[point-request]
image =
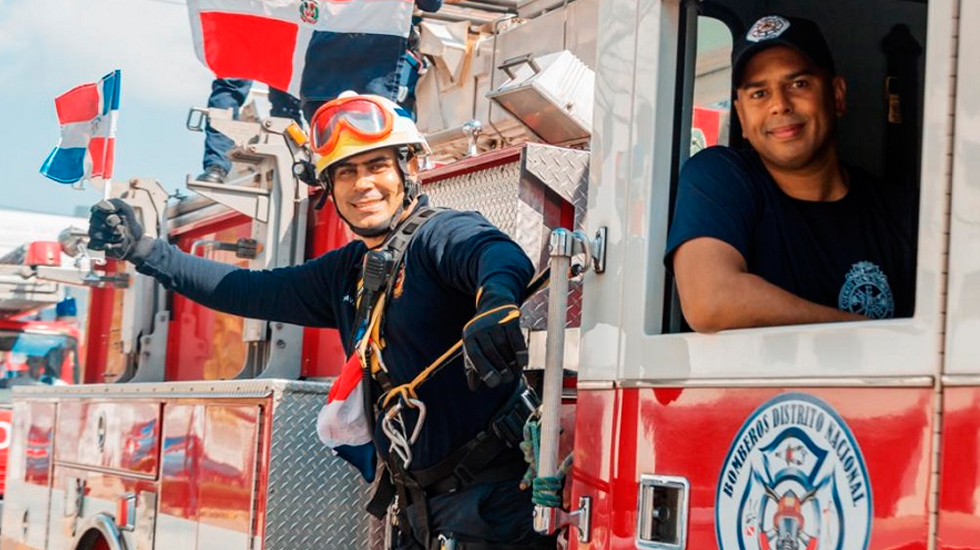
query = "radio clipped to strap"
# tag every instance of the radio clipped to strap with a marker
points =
(377, 282)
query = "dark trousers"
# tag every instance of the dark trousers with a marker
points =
(492, 515)
(230, 93)
(398, 86)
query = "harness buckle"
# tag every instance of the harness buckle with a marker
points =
(463, 475)
(446, 543)
(509, 424)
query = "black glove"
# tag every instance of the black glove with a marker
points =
(113, 227)
(494, 350)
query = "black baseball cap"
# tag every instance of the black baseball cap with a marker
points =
(776, 30)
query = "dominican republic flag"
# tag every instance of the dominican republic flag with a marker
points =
(342, 423)
(87, 114)
(267, 40)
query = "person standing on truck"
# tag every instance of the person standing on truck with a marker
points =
(785, 233)
(230, 93)
(382, 64)
(460, 278)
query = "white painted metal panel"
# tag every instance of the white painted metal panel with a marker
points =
(963, 314)
(611, 149)
(629, 193)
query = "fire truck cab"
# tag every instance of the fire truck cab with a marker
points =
(31, 352)
(850, 436)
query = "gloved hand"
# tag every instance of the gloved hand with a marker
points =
(494, 350)
(113, 227)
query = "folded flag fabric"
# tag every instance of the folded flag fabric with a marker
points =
(269, 40)
(87, 115)
(343, 424)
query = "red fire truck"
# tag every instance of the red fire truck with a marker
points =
(31, 352)
(850, 436)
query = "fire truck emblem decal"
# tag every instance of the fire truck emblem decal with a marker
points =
(309, 11)
(866, 291)
(767, 28)
(794, 479)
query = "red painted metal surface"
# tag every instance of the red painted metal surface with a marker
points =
(226, 477)
(116, 436)
(204, 344)
(209, 463)
(323, 353)
(99, 331)
(5, 428)
(37, 457)
(101, 486)
(959, 486)
(472, 164)
(43, 253)
(183, 432)
(208, 225)
(622, 434)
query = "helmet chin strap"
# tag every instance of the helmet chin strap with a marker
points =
(411, 188)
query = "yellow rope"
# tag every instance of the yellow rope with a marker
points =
(371, 334)
(408, 390)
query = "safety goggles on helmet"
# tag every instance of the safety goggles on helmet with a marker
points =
(364, 117)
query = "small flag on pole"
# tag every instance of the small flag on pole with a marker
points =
(87, 114)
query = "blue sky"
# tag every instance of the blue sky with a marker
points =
(48, 48)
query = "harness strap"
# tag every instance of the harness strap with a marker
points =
(411, 493)
(473, 461)
(371, 310)
(548, 543)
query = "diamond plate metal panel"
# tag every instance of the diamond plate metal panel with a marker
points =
(513, 197)
(491, 192)
(566, 172)
(315, 500)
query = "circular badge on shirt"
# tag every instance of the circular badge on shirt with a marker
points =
(866, 292)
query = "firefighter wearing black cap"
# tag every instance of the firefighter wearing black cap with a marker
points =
(785, 233)
(459, 279)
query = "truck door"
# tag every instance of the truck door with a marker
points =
(803, 436)
(210, 464)
(959, 481)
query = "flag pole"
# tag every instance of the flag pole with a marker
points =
(111, 132)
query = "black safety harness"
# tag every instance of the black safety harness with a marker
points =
(476, 461)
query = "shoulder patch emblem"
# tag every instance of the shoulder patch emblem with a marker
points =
(866, 291)
(767, 28)
(399, 286)
(794, 478)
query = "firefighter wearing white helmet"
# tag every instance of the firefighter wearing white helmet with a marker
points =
(354, 131)
(445, 288)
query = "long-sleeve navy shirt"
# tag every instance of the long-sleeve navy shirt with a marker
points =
(452, 256)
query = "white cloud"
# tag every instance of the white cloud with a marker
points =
(53, 47)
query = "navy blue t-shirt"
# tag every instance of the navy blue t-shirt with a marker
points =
(855, 254)
(451, 256)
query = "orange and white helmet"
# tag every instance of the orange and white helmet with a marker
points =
(353, 124)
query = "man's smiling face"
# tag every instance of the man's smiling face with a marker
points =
(368, 188)
(788, 108)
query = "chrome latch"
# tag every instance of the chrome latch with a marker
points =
(550, 520)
